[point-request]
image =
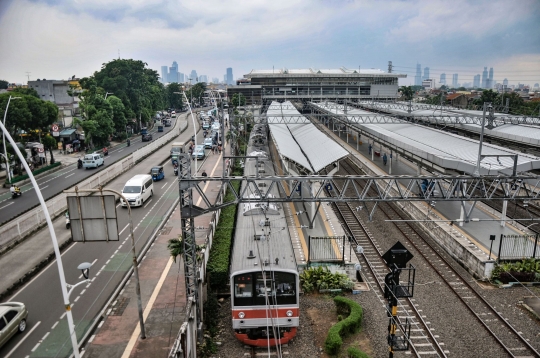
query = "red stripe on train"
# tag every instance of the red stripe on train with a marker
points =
(265, 313)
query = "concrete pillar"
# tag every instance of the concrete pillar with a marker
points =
(313, 205)
(505, 205)
(461, 210)
(372, 151)
(419, 169)
(357, 140)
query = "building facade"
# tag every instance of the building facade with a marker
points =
(164, 74)
(426, 74)
(261, 86)
(455, 80)
(476, 81)
(229, 77)
(418, 77)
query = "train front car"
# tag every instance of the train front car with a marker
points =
(264, 274)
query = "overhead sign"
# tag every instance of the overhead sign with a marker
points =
(93, 218)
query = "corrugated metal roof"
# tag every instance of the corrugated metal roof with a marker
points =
(444, 149)
(301, 141)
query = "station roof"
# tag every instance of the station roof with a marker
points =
(443, 149)
(520, 133)
(280, 72)
(301, 141)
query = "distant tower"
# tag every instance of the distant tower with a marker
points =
(455, 80)
(164, 74)
(418, 77)
(491, 83)
(505, 82)
(476, 81)
(442, 79)
(484, 77)
(193, 77)
(426, 73)
(229, 77)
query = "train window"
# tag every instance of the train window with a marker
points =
(243, 286)
(280, 286)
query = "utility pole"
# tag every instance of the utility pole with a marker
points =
(28, 76)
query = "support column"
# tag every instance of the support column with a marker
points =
(390, 170)
(462, 209)
(357, 140)
(505, 205)
(419, 169)
(372, 151)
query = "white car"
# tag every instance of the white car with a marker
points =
(208, 142)
(93, 160)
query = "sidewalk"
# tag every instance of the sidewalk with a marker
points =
(162, 290)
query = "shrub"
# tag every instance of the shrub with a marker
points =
(523, 271)
(35, 172)
(320, 278)
(353, 352)
(349, 325)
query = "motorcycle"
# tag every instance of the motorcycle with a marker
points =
(79, 164)
(68, 222)
(176, 171)
(16, 193)
(105, 152)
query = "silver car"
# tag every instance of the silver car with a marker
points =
(12, 320)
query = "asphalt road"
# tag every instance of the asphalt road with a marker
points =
(54, 183)
(47, 333)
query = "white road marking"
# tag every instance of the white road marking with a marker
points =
(120, 150)
(100, 324)
(91, 338)
(45, 336)
(164, 185)
(149, 201)
(35, 347)
(63, 315)
(22, 340)
(93, 262)
(123, 229)
(118, 205)
(54, 325)
(83, 291)
(67, 176)
(46, 186)
(76, 299)
(5, 206)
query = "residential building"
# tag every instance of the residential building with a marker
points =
(458, 100)
(262, 86)
(428, 83)
(455, 80)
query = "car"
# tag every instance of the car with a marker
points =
(198, 152)
(216, 126)
(206, 125)
(208, 142)
(146, 137)
(137, 190)
(93, 160)
(13, 317)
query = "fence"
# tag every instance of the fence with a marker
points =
(32, 220)
(518, 247)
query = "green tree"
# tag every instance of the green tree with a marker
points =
(238, 100)
(487, 96)
(196, 92)
(4, 84)
(97, 112)
(49, 143)
(119, 117)
(26, 91)
(174, 99)
(176, 247)
(407, 92)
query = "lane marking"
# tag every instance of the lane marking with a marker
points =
(46, 186)
(164, 185)
(5, 206)
(67, 176)
(120, 150)
(136, 332)
(123, 228)
(54, 325)
(22, 340)
(149, 201)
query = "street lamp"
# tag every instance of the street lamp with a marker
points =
(63, 284)
(4, 139)
(106, 94)
(194, 127)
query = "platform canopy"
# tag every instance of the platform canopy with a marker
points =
(302, 142)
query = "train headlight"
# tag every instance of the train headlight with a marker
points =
(241, 315)
(289, 313)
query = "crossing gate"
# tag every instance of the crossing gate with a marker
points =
(326, 249)
(518, 247)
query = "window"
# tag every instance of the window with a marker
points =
(2, 323)
(10, 315)
(243, 286)
(257, 288)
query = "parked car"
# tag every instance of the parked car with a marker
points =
(93, 160)
(198, 152)
(207, 142)
(146, 137)
(13, 317)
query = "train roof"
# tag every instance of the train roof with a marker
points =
(254, 242)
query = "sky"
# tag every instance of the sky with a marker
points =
(56, 39)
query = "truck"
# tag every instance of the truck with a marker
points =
(176, 149)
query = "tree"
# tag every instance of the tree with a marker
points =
(407, 92)
(174, 100)
(238, 100)
(49, 143)
(119, 117)
(176, 247)
(25, 91)
(488, 96)
(4, 84)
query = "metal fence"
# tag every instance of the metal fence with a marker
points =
(326, 249)
(518, 247)
(32, 220)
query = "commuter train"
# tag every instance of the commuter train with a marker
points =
(264, 275)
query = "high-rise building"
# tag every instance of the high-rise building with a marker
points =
(181, 77)
(193, 77)
(225, 78)
(505, 82)
(491, 82)
(484, 78)
(215, 80)
(426, 74)
(173, 73)
(442, 79)
(164, 74)
(455, 80)
(418, 77)
(230, 81)
(476, 81)
(203, 78)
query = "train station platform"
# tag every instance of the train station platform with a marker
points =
(471, 240)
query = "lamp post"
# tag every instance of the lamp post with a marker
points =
(194, 128)
(8, 174)
(63, 284)
(107, 93)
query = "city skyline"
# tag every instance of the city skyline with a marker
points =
(172, 74)
(446, 39)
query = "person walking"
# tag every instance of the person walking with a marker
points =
(369, 148)
(384, 158)
(204, 175)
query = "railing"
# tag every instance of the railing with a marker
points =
(32, 220)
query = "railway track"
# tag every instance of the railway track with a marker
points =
(506, 336)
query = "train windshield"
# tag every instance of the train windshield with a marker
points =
(265, 288)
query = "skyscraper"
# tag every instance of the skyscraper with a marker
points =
(442, 79)
(418, 77)
(215, 80)
(181, 77)
(455, 80)
(229, 77)
(476, 81)
(484, 78)
(426, 73)
(193, 76)
(173, 73)
(505, 82)
(164, 74)
(491, 83)
(203, 78)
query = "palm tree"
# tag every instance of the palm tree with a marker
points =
(176, 247)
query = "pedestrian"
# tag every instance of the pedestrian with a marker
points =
(369, 148)
(384, 158)
(204, 175)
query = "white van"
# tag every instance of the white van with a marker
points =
(137, 190)
(93, 160)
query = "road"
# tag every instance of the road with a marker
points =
(54, 183)
(46, 334)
